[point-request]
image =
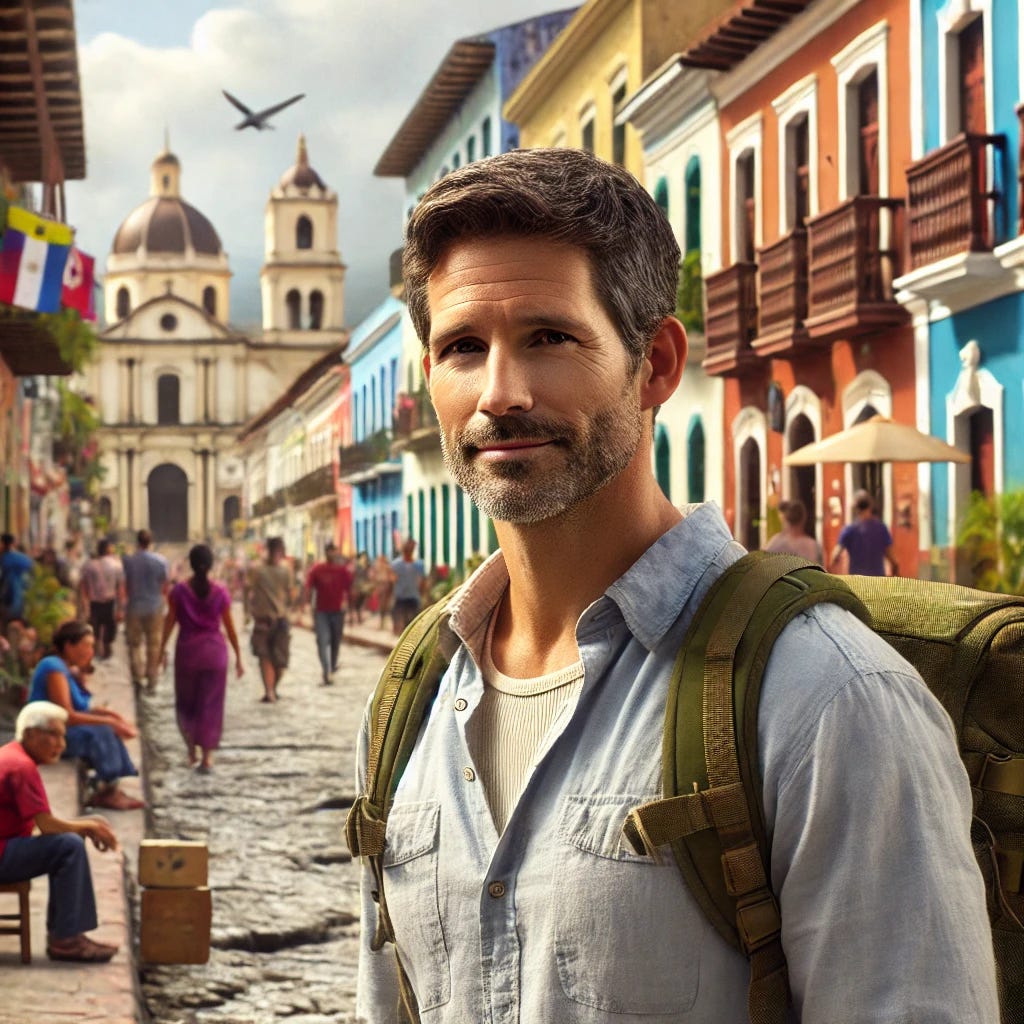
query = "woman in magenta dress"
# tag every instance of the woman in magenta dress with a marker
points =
(200, 607)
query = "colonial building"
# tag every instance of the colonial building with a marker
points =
(174, 381)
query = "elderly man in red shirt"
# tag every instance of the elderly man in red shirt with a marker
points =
(59, 851)
(329, 583)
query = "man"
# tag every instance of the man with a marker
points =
(145, 578)
(103, 596)
(268, 594)
(410, 580)
(59, 851)
(15, 569)
(866, 541)
(329, 584)
(542, 283)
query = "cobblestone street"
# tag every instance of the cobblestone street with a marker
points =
(285, 893)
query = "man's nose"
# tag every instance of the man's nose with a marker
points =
(506, 386)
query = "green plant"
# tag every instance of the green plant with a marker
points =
(690, 292)
(75, 338)
(47, 604)
(991, 541)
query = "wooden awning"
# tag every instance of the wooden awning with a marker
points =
(28, 348)
(41, 136)
(743, 29)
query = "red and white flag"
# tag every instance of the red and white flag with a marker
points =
(79, 278)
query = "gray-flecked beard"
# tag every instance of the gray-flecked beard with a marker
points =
(518, 491)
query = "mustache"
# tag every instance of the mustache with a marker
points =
(514, 428)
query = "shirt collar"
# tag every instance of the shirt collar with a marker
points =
(650, 595)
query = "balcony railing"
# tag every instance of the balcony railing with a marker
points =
(953, 202)
(317, 484)
(364, 455)
(782, 295)
(731, 320)
(269, 503)
(852, 259)
(415, 422)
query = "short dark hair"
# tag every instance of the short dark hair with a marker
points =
(793, 511)
(562, 195)
(70, 633)
(102, 548)
(275, 546)
(863, 502)
(7, 539)
(144, 538)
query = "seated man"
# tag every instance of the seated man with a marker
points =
(59, 851)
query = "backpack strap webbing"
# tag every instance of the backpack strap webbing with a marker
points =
(711, 814)
(401, 702)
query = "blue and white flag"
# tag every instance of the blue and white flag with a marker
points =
(32, 261)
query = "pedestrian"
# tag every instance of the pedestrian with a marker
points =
(329, 585)
(793, 538)
(542, 284)
(15, 569)
(361, 585)
(199, 607)
(866, 541)
(96, 734)
(268, 595)
(145, 578)
(382, 580)
(409, 586)
(59, 850)
(103, 596)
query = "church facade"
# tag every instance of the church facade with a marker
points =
(174, 382)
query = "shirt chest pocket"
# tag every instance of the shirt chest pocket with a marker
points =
(411, 890)
(628, 935)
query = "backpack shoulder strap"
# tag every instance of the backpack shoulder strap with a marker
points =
(711, 813)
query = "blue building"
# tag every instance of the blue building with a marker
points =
(374, 357)
(966, 264)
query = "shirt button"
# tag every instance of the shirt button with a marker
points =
(461, 705)
(468, 774)
(496, 889)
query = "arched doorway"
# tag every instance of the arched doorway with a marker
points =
(749, 532)
(168, 503)
(232, 511)
(802, 478)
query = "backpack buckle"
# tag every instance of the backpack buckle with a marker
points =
(759, 922)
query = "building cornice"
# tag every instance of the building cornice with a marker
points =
(674, 95)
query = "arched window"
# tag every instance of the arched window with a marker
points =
(303, 233)
(232, 511)
(316, 310)
(695, 461)
(293, 301)
(210, 300)
(662, 457)
(692, 208)
(661, 195)
(124, 303)
(168, 503)
(168, 395)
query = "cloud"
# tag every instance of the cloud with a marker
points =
(361, 64)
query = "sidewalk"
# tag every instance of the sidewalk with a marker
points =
(51, 992)
(365, 634)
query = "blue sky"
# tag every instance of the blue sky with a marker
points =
(153, 65)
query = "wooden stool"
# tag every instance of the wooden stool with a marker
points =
(24, 921)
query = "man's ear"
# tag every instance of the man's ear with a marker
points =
(426, 366)
(663, 365)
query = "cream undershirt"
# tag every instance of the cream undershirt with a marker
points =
(509, 725)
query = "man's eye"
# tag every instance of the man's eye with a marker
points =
(460, 347)
(554, 337)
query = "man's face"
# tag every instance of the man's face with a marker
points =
(46, 744)
(529, 377)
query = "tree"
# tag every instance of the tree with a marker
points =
(991, 539)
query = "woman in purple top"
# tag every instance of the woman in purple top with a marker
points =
(199, 607)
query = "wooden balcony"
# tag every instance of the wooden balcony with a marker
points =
(782, 296)
(317, 484)
(852, 259)
(268, 504)
(731, 320)
(415, 425)
(354, 459)
(953, 204)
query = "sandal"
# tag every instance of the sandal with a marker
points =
(116, 800)
(81, 949)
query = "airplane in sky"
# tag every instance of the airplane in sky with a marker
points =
(258, 119)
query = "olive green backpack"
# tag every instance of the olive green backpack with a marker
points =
(968, 647)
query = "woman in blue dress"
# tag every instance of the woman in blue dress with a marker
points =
(95, 734)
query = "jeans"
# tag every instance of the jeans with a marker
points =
(328, 627)
(62, 856)
(144, 629)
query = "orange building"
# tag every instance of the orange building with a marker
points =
(801, 320)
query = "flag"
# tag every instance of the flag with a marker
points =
(32, 261)
(77, 292)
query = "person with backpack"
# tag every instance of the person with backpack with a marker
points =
(500, 881)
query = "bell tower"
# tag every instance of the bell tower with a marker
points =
(302, 280)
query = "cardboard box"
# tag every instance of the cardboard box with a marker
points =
(173, 864)
(176, 926)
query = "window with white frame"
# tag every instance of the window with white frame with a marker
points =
(797, 113)
(965, 67)
(750, 444)
(617, 88)
(587, 121)
(745, 145)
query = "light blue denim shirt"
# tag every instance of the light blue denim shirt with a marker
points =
(557, 921)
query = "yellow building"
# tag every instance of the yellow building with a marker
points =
(573, 94)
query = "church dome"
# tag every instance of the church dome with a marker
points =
(301, 175)
(165, 223)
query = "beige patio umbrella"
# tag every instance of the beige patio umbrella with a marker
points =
(878, 439)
